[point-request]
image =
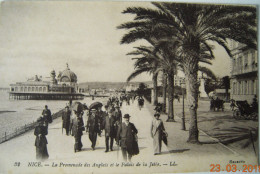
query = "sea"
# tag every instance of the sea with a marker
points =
(15, 114)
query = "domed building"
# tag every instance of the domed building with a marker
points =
(67, 77)
(65, 87)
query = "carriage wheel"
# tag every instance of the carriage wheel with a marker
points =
(237, 114)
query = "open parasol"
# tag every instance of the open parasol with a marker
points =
(95, 105)
(78, 107)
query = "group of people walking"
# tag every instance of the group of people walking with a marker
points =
(116, 127)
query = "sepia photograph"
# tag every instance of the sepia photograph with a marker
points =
(128, 87)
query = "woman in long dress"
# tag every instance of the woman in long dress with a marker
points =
(157, 130)
(41, 141)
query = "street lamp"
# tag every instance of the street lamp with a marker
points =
(183, 113)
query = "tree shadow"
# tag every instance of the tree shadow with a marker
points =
(224, 117)
(235, 134)
(208, 142)
(174, 151)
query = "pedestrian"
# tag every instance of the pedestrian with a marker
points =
(77, 128)
(110, 132)
(93, 125)
(127, 138)
(101, 114)
(118, 114)
(41, 142)
(46, 113)
(157, 131)
(158, 108)
(66, 120)
(232, 104)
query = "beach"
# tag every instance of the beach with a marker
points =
(15, 114)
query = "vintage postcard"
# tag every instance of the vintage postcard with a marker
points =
(128, 87)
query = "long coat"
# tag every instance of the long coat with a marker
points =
(118, 116)
(66, 119)
(47, 115)
(77, 126)
(41, 142)
(127, 136)
(157, 129)
(109, 126)
(93, 124)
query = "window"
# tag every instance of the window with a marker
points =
(44, 89)
(40, 89)
(29, 89)
(25, 89)
(32, 88)
(36, 88)
(16, 89)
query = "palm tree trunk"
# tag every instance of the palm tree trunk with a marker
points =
(164, 91)
(155, 93)
(192, 88)
(170, 97)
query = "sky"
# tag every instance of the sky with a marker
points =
(38, 37)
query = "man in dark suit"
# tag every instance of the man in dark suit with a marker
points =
(66, 119)
(110, 131)
(46, 113)
(77, 127)
(118, 114)
(126, 137)
(93, 127)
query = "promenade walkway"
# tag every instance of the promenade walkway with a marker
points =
(179, 156)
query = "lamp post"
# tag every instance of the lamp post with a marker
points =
(183, 113)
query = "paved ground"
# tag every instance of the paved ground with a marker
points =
(239, 135)
(179, 156)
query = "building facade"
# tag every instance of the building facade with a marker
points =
(244, 72)
(63, 87)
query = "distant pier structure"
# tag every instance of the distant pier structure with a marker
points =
(64, 87)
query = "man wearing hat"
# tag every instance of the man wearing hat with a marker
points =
(110, 131)
(41, 142)
(46, 113)
(66, 119)
(93, 127)
(77, 127)
(102, 115)
(127, 138)
(118, 114)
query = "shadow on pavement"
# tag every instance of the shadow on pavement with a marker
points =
(174, 151)
(208, 142)
(90, 149)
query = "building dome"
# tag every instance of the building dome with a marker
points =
(68, 76)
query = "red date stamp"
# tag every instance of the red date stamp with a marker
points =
(234, 168)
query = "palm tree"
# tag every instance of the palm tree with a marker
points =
(194, 26)
(149, 31)
(145, 63)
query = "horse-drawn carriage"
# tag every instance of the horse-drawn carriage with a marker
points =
(245, 111)
(217, 104)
